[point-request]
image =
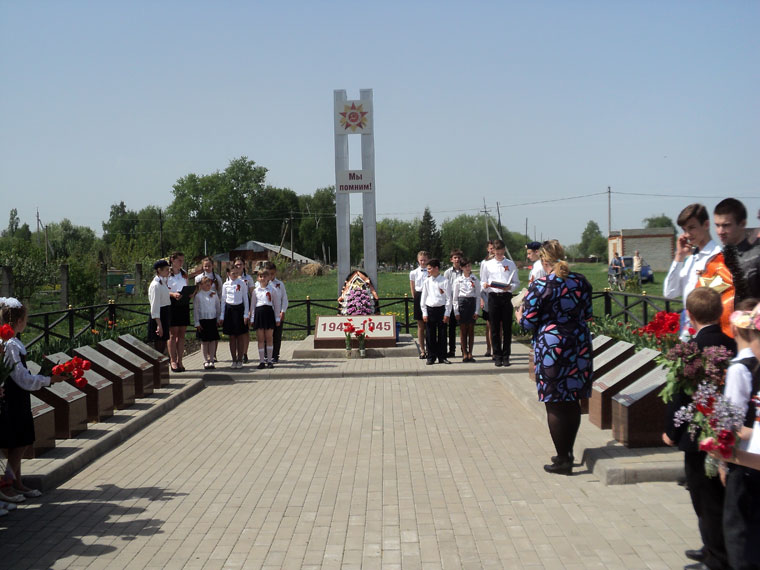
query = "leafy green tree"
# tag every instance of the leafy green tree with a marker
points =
(661, 221)
(27, 263)
(430, 236)
(396, 241)
(13, 222)
(467, 233)
(592, 241)
(316, 228)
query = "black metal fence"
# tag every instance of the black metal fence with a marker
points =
(74, 322)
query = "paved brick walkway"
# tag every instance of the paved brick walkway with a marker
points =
(384, 472)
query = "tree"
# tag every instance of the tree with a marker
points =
(661, 221)
(27, 262)
(467, 233)
(396, 241)
(13, 222)
(593, 242)
(430, 236)
(316, 228)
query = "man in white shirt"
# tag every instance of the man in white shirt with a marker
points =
(531, 252)
(499, 278)
(694, 248)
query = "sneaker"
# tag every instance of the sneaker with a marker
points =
(270, 365)
(261, 366)
(7, 506)
(245, 359)
(12, 498)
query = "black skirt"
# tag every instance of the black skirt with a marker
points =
(263, 318)
(16, 422)
(180, 314)
(164, 317)
(234, 320)
(417, 307)
(467, 310)
(209, 330)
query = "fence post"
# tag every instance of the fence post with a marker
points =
(308, 315)
(625, 308)
(406, 312)
(607, 303)
(64, 301)
(92, 318)
(112, 312)
(645, 309)
(46, 320)
(71, 321)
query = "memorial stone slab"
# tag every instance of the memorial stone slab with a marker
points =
(146, 352)
(141, 368)
(601, 343)
(612, 357)
(638, 413)
(122, 379)
(609, 384)
(99, 391)
(69, 403)
(43, 416)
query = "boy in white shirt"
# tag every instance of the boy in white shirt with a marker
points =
(279, 288)
(435, 303)
(499, 279)
(451, 275)
(416, 279)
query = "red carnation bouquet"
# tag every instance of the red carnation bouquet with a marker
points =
(73, 369)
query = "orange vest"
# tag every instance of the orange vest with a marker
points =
(718, 276)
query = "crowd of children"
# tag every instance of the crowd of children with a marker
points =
(235, 305)
(456, 298)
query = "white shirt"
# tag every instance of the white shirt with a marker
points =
(279, 288)
(265, 296)
(504, 271)
(537, 272)
(452, 274)
(158, 295)
(682, 278)
(206, 305)
(175, 283)
(436, 293)
(234, 293)
(738, 388)
(466, 287)
(14, 349)
(418, 276)
(754, 442)
(216, 281)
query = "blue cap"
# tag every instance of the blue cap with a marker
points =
(534, 245)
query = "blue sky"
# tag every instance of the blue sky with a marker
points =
(511, 102)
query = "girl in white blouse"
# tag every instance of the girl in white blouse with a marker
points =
(160, 301)
(180, 311)
(234, 314)
(466, 302)
(16, 422)
(265, 308)
(206, 311)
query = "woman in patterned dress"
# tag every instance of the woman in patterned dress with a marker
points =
(556, 309)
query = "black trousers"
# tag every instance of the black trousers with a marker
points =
(500, 315)
(452, 333)
(276, 340)
(741, 520)
(435, 331)
(707, 498)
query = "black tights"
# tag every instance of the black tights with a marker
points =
(564, 419)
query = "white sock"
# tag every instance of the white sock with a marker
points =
(269, 352)
(261, 355)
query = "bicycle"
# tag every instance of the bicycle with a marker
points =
(616, 281)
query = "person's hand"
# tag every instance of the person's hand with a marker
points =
(198, 328)
(246, 320)
(446, 320)
(723, 473)
(282, 316)
(159, 329)
(518, 314)
(683, 248)
(56, 378)
(424, 319)
(475, 317)
(175, 295)
(667, 441)
(457, 317)
(221, 322)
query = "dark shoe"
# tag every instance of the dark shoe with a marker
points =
(423, 356)
(211, 366)
(270, 365)
(276, 359)
(555, 458)
(181, 369)
(560, 468)
(498, 362)
(429, 362)
(175, 369)
(488, 353)
(471, 359)
(506, 362)
(445, 361)
(451, 353)
(696, 566)
(261, 366)
(245, 359)
(698, 555)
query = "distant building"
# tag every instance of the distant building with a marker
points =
(254, 252)
(656, 245)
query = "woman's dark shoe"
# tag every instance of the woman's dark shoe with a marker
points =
(555, 458)
(697, 555)
(560, 467)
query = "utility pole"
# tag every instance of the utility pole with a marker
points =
(498, 215)
(292, 253)
(485, 217)
(526, 229)
(609, 211)
(161, 231)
